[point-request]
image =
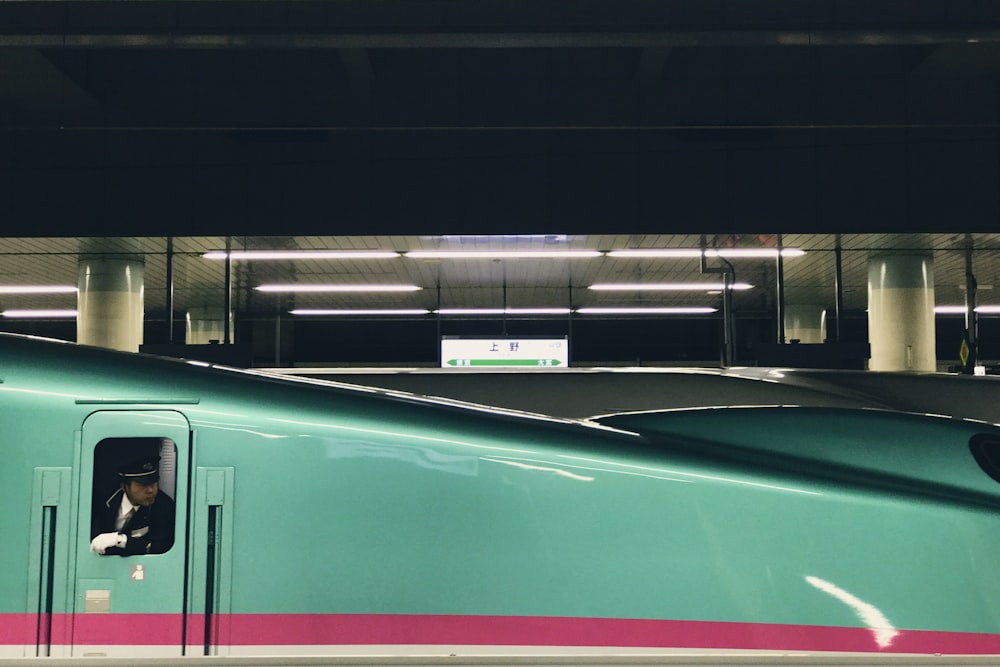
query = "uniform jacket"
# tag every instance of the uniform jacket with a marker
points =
(151, 530)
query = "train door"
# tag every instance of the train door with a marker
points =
(131, 605)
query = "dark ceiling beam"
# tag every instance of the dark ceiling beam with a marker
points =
(498, 40)
(651, 63)
(289, 131)
(361, 77)
(357, 64)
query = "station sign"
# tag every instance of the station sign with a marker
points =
(486, 353)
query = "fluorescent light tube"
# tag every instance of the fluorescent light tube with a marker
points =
(502, 254)
(678, 310)
(960, 310)
(38, 313)
(338, 288)
(38, 289)
(302, 254)
(651, 252)
(503, 311)
(761, 253)
(359, 311)
(678, 253)
(665, 287)
(538, 311)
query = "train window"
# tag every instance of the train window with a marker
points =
(135, 480)
(986, 450)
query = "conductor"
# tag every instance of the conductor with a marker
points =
(137, 518)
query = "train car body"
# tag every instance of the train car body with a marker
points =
(315, 519)
(581, 393)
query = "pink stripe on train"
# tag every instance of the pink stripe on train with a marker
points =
(456, 630)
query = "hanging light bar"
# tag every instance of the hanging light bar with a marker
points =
(666, 287)
(503, 311)
(38, 289)
(676, 253)
(665, 310)
(38, 313)
(302, 254)
(338, 288)
(760, 253)
(359, 311)
(502, 254)
(960, 310)
(680, 253)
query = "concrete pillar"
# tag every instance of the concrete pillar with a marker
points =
(110, 302)
(205, 324)
(805, 323)
(901, 313)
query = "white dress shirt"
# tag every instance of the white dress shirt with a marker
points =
(124, 510)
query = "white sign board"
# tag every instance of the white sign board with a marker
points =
(504, 353)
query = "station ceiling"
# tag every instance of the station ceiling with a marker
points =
(330, 118)
(495, 283)
(867, 125)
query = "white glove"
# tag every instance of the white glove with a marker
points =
(105, 541)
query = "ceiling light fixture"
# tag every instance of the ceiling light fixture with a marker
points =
(302, 254)
(38, 289)
(359, 311)
(502, 254)
(665, 287)
(960, 310)
(680, 253)
(666, 310)
(503, 311)
(38, 313)
(760, 253)
(338, 288)
(676, 253)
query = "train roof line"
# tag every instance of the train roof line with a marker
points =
(787, 406)
(345, 387)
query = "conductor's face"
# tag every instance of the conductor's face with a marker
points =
(141, 494)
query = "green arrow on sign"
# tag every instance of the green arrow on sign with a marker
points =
(541, 363)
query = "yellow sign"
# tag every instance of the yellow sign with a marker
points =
(963, 352)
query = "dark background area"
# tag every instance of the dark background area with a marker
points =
(498, 116)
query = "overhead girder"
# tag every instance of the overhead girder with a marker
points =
(503, 40)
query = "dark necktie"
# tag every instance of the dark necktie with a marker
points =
(129, 516)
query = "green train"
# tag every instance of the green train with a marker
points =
(313, 518)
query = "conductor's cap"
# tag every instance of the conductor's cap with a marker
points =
(144, 471)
